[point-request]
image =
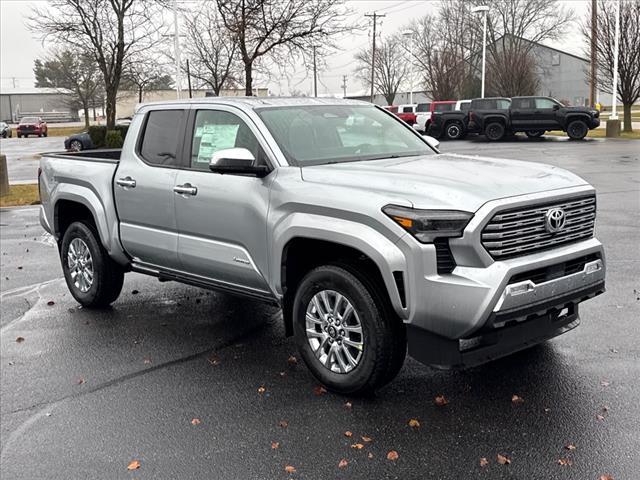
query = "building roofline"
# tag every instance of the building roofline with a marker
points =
(544, 46)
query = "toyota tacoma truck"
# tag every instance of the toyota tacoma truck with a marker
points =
(497, 117)
(371, 241)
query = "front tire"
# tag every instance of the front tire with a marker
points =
(75, 146)
(494, 131)
(577, 130)
(93, 278)
(345, 331)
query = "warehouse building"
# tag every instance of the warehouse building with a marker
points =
(49, 103)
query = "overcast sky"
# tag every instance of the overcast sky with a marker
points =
(19, 49)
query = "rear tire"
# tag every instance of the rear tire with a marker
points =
(577, 130)
(454, 131)
(93, 278)
(341, 366)
(494, 131)
(534, 133)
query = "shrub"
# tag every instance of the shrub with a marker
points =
(98, 134)
(113, 139)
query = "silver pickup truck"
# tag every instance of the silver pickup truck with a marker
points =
(371, 241)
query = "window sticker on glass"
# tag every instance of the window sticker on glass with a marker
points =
(216, 137)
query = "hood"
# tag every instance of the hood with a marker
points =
(444, 181)
(580, 109)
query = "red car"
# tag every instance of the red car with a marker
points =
(32, 126)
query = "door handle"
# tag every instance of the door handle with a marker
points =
(186, 189)
(126, 182)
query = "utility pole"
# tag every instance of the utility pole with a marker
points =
(375, 17)
(176, 46)
(594, 46)
(616, 47)
(315, 74)
(344, 86)
(189, 78)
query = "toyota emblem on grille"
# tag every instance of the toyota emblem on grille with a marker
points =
(555, 219)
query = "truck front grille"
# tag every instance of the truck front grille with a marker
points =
(523, 230)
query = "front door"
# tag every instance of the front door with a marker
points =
(222, 218)
(547, 112)
(144, 189)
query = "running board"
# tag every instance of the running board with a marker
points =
(168, 276)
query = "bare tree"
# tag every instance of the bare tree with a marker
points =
(214, 54)
(629, 52)
(112, 31)
(513, 29)
(145, 74)
(279, 28)
(75, 73)
(390, 70)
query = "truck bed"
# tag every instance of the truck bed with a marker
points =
(110, 155)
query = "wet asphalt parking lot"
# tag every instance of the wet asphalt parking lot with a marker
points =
(87, 392)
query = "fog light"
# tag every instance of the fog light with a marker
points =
(593, 267)
(519, 288)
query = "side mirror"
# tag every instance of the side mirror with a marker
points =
(236, 161)
(556, 106)
(432, 142)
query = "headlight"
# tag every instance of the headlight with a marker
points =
(427, 225)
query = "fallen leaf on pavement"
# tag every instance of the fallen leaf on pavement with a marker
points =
(413, 423)
(441, 401)
(147, 361)
(319, 390)
(517, 399)
(134, 465)
(366, 439)
(283, 424)
(570, 446)
(347, 405)
(392, 455)
(565, 462)
(599, 417)
(547, 410)
(370, 455)
(195, 421)
(348, 434)
(213, 360)
(605, 383)
(275, 445)
(605, 408)
(19, 339)
(289, 469)
(605, 477)
(51, 303)
(343, 463)
(357, 446)
(292, 360)
(502, 460)
(80, 381)
(484, 462)
(283, 374)
(261, 390)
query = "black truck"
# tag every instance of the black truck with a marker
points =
(531, 115)
(454, 125)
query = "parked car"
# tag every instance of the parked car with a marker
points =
(368, 238)
(32, 126)
(78, 142)
(533, 116)
(5, 130)
(125, 121)
(423, 118)
(407, 113)
(453, 124)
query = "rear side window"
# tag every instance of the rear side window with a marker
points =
(464, 106)
(407, 110)
(524, 103)
(445, 107)
(162, 131)
(423, 107)
(503, 104)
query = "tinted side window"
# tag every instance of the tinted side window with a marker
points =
(445, 107)
(216, 130)
(503, 104)
(159, 144)
(524, 103)
(407, 110)
(544, 103)
(423, 107)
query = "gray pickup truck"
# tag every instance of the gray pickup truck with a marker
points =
(371, 241)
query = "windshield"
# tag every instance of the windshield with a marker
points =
(29, 120)
(318, 134)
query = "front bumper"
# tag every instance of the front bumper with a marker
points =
(595, 123)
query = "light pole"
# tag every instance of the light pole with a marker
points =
(408, 34)
(484, 9)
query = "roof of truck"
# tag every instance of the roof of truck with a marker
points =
(256, 102)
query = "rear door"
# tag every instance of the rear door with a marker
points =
(524, 114)
(143, 187)
(222, 218)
